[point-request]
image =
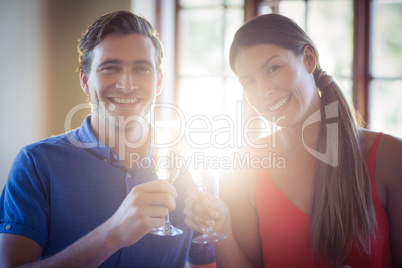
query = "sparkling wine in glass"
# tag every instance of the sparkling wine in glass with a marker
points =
(205, 178)
(167, 163)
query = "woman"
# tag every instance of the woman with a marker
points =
(327, 206)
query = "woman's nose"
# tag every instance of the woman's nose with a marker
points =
(264, 89)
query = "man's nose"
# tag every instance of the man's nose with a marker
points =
(126, 82)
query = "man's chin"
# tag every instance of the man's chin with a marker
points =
(128, 123)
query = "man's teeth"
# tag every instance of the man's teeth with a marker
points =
(120, 100)
(279, 104)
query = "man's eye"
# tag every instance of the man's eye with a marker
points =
(143, 69)
(109, 68)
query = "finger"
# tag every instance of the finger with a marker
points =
(159, 186)
(196, 208)
(156, 222)
(152, 211)
(155, 199)
(193, 192)
(195, 218)
(196, 227)
(218, 208)
(201, 197)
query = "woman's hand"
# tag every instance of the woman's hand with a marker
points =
(203, 210)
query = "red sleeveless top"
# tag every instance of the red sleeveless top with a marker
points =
(284, 229)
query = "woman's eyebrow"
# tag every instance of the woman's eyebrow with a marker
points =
(261, 67)
(267, 62)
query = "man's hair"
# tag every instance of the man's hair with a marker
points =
(121, 22)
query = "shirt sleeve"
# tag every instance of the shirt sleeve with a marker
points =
(24, 202)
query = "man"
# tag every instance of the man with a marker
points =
(76, 200)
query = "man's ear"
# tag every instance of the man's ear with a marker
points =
(159, 84)
(309, 58)
(84, 82)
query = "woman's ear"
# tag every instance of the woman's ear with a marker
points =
(84, 82)
(309, 58)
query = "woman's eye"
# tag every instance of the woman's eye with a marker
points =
(248, 84)
(273, 68)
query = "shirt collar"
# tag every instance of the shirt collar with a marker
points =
(84, 137)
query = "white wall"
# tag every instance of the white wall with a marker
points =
(21, 73)
(38, 63)
(145, 9)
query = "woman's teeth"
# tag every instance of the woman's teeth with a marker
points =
(120, 100)
(279, 104)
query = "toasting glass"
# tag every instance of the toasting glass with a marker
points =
(205, 179)
(167, 165)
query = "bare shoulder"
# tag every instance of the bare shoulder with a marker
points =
(388, 176)
(388, 159)
(367, 139)
(388, 166)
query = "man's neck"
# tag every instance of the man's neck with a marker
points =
(129, 141)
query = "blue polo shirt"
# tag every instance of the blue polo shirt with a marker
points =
(61, 188)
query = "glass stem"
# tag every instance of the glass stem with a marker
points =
(210, 230)
(167, 220)
(201, 188)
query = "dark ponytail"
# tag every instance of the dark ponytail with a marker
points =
(342, 211)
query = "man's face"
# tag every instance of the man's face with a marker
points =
(123, 82)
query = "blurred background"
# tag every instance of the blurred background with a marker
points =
(359, 43)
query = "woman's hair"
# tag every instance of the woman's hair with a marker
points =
(121, 22)
(342, 209)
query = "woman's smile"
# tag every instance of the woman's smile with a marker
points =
(278, 104)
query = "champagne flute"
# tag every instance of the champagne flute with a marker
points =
(204, 178)
(167, 166)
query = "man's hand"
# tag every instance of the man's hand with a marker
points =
(144, 208)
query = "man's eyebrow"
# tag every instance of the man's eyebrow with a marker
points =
(147, 62)
(262, 66)
(115, 61)
(111, 61)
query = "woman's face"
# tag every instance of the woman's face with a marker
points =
(278, 84)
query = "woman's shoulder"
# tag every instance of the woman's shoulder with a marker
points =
(388, 157)
(388, 146)
(388, 170)
(367, 138)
